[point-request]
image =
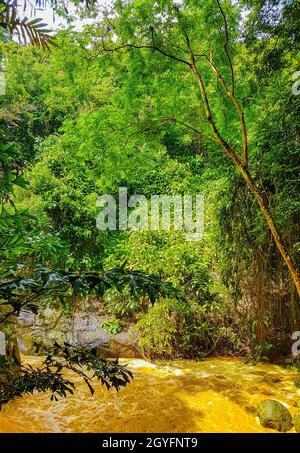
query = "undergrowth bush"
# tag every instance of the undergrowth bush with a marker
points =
(173, 328)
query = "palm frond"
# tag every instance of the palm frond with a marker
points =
(32, 31)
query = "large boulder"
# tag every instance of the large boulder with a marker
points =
(124, 344)
(86, 331)
(80, 329)
(273, 414)
(297, 421)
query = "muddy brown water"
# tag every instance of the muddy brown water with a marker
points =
(217, 395)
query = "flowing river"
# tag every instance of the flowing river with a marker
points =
(217, 395)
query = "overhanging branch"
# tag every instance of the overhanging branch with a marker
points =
(153, 46)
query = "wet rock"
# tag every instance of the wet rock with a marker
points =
(81, 329)
(26, 343)
(297, 421)
(51, 336)
(26, 318)
(273, 414)
(124, 345)
(13, 353)
(86, 331)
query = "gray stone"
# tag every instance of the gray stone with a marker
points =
(125, 344)
(80, 329)
(26, 318)
(86, 331)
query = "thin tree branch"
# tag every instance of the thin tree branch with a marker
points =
(24, 304)
(229, 150)
(236, 105)
(226, 45)
(176, 46)
(229, 93)
(192, 128)
(145, 46)
(194, 69)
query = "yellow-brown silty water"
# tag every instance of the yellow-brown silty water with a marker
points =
(217, 395)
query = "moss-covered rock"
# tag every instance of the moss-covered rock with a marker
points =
(273, 414)
(297, 421)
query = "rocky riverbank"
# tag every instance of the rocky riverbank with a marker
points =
(80, 329)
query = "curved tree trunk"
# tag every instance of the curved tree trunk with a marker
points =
(268, 218)
(242, 166)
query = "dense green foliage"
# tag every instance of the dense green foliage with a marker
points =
(85, 122)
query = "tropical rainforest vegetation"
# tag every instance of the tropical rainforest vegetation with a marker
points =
(160, 97)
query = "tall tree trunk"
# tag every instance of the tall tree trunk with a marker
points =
(242, 166)
(270, 222)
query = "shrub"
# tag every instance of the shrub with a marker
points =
(173, 328)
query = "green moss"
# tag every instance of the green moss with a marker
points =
(274, 415)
